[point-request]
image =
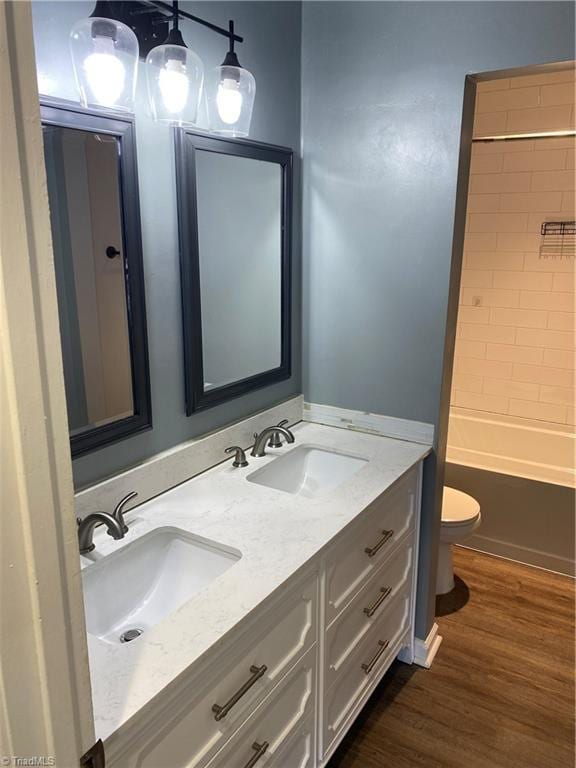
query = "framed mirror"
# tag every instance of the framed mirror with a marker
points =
(235, 220)
(95, 217)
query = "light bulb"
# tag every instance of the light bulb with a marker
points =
(105, 72)
(174, 86)
(229, 101)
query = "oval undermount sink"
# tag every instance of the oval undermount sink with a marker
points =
(308, 470)
(140, 584)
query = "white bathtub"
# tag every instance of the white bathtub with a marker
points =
(512, 446)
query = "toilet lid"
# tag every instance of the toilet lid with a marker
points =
(458, 507)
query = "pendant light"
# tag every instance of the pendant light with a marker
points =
(231, 97)
(175, 76)
(105, 59)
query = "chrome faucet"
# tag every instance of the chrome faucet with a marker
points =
(87, 525)
(261, 439)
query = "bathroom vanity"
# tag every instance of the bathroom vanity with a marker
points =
(307, 559)
(246, 613)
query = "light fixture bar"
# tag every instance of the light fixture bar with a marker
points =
(522, 136)
(185, 15)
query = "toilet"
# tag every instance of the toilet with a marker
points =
(460, 518)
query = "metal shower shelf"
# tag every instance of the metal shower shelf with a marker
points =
(558, 239)
(558, 228)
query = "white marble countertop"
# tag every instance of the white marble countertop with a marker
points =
(276, 532)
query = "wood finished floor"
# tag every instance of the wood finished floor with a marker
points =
(500, 693)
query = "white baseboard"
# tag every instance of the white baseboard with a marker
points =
(534, 558)
(426, 650)
(172, 467)
(387, 426)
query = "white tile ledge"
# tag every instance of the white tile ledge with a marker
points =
(373, 423)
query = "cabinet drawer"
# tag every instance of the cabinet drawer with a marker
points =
(281, 717)
(359, 553)
(366, 609)
(299, 751)
(365, 665)
(228, 691)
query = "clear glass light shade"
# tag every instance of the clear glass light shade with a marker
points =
(230, 100)
(175, 76)
(105, 60)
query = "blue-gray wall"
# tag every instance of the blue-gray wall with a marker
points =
(383, 86)
(271, 51)
(382, 101)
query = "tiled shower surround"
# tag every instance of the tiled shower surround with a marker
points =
(515, 345)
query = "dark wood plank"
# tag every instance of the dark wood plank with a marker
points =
(500, 693)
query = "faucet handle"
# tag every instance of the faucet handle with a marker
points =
(240, 457)
(119, 509)
(275, 441)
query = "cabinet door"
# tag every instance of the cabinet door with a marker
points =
(360, 552)
(299, 751)
(216, 700)
(363, 668)
(266, 739)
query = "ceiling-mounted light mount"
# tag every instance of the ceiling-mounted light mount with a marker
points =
(144, 15)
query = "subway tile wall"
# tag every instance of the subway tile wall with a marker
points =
(516, 323)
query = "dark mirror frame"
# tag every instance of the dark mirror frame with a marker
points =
(69, 115)
(186, 144)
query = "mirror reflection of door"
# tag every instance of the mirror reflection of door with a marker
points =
(84, 194)
(239, 213)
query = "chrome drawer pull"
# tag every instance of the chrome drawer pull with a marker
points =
(374, 607)
(220, 712)
(260, 749)
(371, 551)
(370, 665)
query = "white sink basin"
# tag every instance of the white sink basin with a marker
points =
(145, 581)
(308, 471)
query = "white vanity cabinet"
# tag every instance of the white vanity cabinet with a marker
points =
(282, 690)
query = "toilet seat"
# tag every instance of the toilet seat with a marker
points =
(458, 508)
